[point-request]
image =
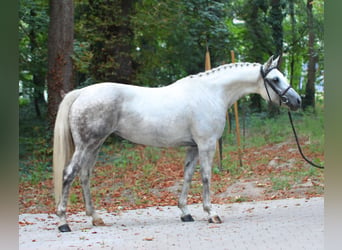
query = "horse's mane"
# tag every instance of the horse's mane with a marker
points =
(225, 67)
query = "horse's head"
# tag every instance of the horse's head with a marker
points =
(276, 87)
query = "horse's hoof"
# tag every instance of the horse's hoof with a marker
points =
(187, 218)
(64, 228)
(215, 219)
(98, 222)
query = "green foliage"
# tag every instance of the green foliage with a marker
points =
(106, 27)
(260, 129)
(82, 56)
(280, 183)
(33, 29)
(240, 199)
(171, 37)
(35, 158)
(154, 42)
(35, 149)
(23, 101)
(73, 198)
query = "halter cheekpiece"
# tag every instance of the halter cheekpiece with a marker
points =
(283, 98)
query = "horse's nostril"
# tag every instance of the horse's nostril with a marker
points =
(298, 101)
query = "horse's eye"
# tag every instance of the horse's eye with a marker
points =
(276, 80)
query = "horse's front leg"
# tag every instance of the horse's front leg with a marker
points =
(189, 168)
(206, 155)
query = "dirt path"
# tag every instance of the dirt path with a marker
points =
(277, 224)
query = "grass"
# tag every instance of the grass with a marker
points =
(262, 130)
(36, 165)
(240, 199)
(280, 183)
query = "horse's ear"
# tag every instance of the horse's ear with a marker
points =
(276, 62)
(268, 64)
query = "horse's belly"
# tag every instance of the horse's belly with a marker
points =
(156, 136)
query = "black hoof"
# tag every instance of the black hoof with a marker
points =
(64, 228)
(187, 218)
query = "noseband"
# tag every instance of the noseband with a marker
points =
(283, 99)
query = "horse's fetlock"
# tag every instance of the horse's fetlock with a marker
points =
(205, 180)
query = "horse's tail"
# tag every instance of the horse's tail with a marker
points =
(63, 144)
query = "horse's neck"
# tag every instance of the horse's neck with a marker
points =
(233, 81)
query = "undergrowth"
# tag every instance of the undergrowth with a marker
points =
(260, 130)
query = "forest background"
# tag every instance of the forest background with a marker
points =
(71, 44)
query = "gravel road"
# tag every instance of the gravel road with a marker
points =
(279, 224)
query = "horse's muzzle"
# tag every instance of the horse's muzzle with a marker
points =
(292, 100)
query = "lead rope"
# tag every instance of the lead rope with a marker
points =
(263, 74)
(299, 148)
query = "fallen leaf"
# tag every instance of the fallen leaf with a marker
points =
(149, 238)
(249, 210)
(213, 226)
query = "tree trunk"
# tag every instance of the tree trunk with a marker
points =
(38, 75)
(60, 49)
(255, 53)
(293, 40)
(309, 99)
(112, 43)
(276, 19)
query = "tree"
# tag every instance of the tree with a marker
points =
(309, 99)
(257, 37)
(293, 38)
(60, 50)
(276, 17)
(106, 27)
(172, 37)
(33, 27)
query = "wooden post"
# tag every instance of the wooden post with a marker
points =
(236, 112)
(208, 67)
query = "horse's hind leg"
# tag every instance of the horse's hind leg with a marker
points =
(85, 179)
(69, 174)
(189, 168)
(82, 161)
